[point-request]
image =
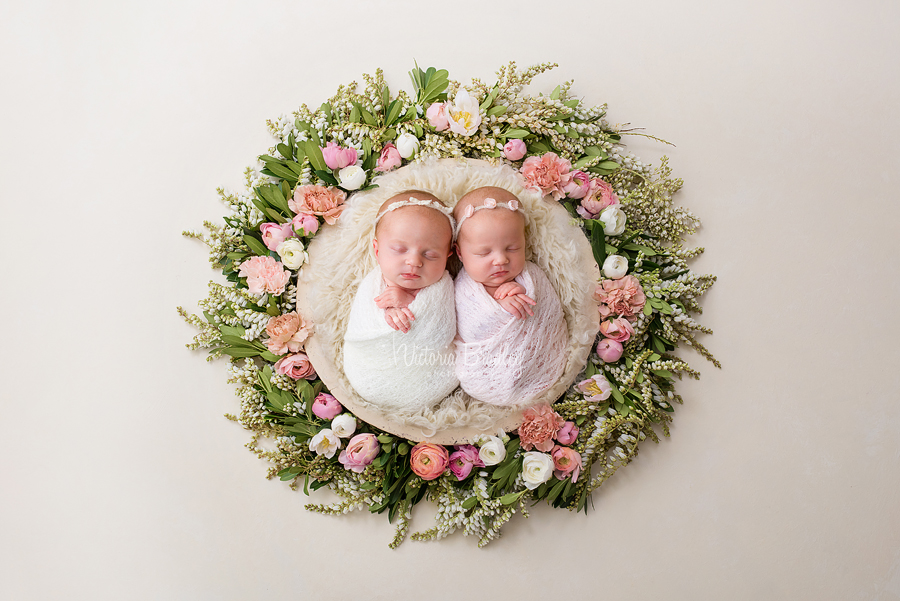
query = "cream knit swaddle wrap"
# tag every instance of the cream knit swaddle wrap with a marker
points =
(502, 360)
(396, 371)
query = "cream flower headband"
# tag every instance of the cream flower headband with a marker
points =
(489, 203)
(415, 202)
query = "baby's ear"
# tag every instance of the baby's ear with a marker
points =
(375, 246)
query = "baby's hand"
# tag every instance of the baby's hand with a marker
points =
(394, 297)
(519, 305)
(399, 318)
(508, 289)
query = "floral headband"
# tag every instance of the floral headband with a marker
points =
(415, 202)
(489, 203)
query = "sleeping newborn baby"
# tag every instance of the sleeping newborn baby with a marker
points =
(398, 349)
(512, 338)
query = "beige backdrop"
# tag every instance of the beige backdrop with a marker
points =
(120, 478)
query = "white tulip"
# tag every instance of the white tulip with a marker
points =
(613, 219)
(292, 253)
(407, 145)
(536, 469)
(615, 267)
(352, 177)
(463, 114)
(492, 452)
(325, 443)
(343, 425)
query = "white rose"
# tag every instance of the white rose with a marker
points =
(492, 451)
(615, 267)
(343, 425)
(325, 443)
(463, 114)
(352, 177)
(613, 219)
(292, 253)
(407, 145)
(536, 469)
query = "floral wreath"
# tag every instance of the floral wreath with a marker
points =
(562, 452)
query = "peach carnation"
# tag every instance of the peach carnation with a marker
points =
(287, 333)
(540, 426)
(548, 173)
(623, 297)
(264, 275)
(318, 200)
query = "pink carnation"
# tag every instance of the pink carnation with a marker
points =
(566, 461)
(539, 427)
(548, 173)
(296, 366)
(326, 406)
(318, 200)
(287, 333)
(437, 116)
(623, 297)
(361, 451)
(264, 275)
(390, 158)
(463, 459)
(274, 234)
(599, 196)
(337, 157)
(617, 329)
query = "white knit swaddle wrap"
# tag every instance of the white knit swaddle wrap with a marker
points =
(503, 360)
(396, 371)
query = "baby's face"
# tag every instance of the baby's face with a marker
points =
(491, 246)
(412, 247)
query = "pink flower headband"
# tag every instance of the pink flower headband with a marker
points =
(415, 202)
(489, 203)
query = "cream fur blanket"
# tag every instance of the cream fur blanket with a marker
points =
(396, 371)
(503, 360)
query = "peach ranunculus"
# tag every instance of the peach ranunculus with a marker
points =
(579, 185)
(264, 275)
(539, 427)
(623, 297)
(547, 173)
(318, 200)
(296, 366)
(566, 461)
(389, 158)
(617, 329)
(429, 460)
(287, 333)
(361, 451)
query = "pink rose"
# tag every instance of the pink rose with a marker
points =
(264, 275)
(296, 366)
(274, 234)
(361, 451)
(566, 461)
(286, 333)
(548, 173)
(609, 351)
(617, 329)
(599, 196)
(305, 224)
(539, 427)
(579, 186)
(318, 200)
(567, 434)
(515, 149)
(463, 459)
(326, 406)
(390, 158)
(337, 157)
(623, 297)
(428, 460)
(437, 116)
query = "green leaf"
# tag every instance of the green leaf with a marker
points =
(354, 114)
(647, 309)
(436, 85)
(516, 133)
(393, 112)
(470, 503)
(662, 373)
(240, 352)
(256, 246)
(653, 357)
(497, 110)
(326, 177)
(598, 245)
(368, 118)
(554, 95)
(556, 490)
(595, 151)
(285, 151)
(314, 154)
(403, 448)
(512, 497)
(617, 395)
(385, 438)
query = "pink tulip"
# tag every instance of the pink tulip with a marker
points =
(337, 157)
(305, 224)
(515, 149)
(437, 116)
(609, 350)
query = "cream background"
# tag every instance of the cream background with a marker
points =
(121, 480)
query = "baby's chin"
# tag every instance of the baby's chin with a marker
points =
(413, 285)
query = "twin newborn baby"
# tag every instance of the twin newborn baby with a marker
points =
(413, 336)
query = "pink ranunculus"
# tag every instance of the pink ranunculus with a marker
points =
(540, 425)
(579, 185)
(295, 366)
(609, 350)
(515, 149)
(326, 406)
(287, 333)
(599, 196)
(463, 459)
(437, 116)
(361, 451)
(264, 275)
(337, 157)
(548, 173)
(567, 434)
(428, 460)
(566, 462)
(305, 224)
(390, 158)
(318, 200)
(618, 329)
(274, 234)
(623, 297)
